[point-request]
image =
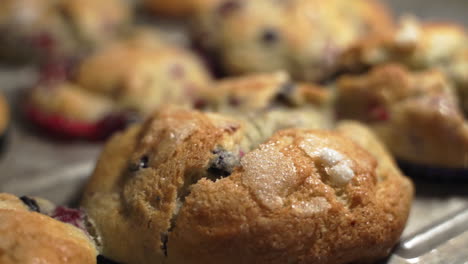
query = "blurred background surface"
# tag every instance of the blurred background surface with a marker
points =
(433, 10)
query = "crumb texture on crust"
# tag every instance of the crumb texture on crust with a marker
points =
(31, 237)
(183, 187)
(416, 114)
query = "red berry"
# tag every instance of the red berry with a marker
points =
(378, 113)
(62, 127)
(43, 41)
(70, 216)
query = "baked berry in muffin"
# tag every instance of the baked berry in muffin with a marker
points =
(34, 30)
(191, 187)
(303, 37)
(124, 81)
(30, 234)
(417, 115)
(418, 46)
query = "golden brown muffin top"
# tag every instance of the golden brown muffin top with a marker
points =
(134, 75)
(142, 73)
(414, 44)
(29, 237)
(416, 114)
(188, 190)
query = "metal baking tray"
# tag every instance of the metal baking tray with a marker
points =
(437, 230)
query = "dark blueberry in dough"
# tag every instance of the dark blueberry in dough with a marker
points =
(103, 260)
(270, 36)
(222, 164)
(142, 164)
(31, 203)
(234, 101)
(228, 7)
(164, 240)
(285, 93)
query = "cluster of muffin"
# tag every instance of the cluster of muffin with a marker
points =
(193, 187)
(285, 162)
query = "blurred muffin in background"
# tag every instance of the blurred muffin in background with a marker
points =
(36, 231)
(418, 46)
(303, 37)
(33, 30)
(417, 115)
(121, 82)
(262, 91)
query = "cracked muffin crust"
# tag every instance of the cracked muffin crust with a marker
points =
(124, 81)
(34, 30)
(191, 187)
(303, 37)
(418, 46)
(30, 235)
(415, 114)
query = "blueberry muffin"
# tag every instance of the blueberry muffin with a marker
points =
(4, 120)
(303, 37)
(418, 46)
(269, 102)
(191, 187)
(120, 83)
(34, 30)
(30, 234)
(262, 91)
(417, 115)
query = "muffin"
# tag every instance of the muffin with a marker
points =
(120, 83)
(29, 235)
(4, 120)
(191, 187)
(418, 46)
(37, 30)
(303, 37)
(416, 115)
(262, 91)
(268, 102)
